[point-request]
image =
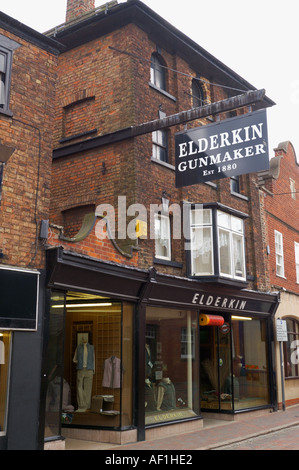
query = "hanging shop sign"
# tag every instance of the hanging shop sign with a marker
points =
(211, 320)
(18, 299)
(224, 149)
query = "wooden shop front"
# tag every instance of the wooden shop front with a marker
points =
(153, 367)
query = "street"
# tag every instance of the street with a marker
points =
(285, 439)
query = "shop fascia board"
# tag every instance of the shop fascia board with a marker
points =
(229, 104)
(68, 270)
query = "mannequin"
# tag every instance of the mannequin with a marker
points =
(166, 399)
(150, 399)
(85, 360)
(148, 363)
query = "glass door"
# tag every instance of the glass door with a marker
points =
(234, 365)
(215, 368)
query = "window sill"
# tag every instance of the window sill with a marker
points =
(221, 281)
(239, 195)
(78, 136)
(6, 112)
(210, 183)
(165, 164)
(281, 277)
(165, 262)
(168, 95)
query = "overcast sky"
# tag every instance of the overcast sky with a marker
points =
(258, 39)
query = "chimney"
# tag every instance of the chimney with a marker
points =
(76, 8)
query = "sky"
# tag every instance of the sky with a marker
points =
(257, 39)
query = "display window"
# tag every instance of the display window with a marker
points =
(171, 365)
(5, 342)
(234, 365)
(95, 374)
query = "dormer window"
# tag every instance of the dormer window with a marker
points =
(217, 243)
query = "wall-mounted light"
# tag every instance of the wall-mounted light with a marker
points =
(235, 317)
(83, 305)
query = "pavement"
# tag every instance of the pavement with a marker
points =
(213, 435)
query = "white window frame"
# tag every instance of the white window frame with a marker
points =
(278, 238)
(165, 243)
(199, 225)
(232, 234)
(202, 226)
(158, 75)
(185, 338)
(293, 188)
(160, 147)
(297, 261)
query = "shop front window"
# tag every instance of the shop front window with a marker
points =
(94, 385)
(234, 365)
(54, 367)
(171, 365)
(291, 353)
(5, 340)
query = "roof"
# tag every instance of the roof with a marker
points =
(105, 20)
(28, 34)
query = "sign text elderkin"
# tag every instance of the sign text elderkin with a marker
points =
(229, 148)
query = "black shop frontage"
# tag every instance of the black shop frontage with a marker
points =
(130, 352)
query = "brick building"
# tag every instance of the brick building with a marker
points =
(134, 263)
(27, 84)
(280, 186)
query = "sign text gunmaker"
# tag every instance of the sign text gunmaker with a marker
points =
(228, 148)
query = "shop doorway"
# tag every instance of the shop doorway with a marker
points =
(234, 365)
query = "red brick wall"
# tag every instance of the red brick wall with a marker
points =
(27, 174)
(117, 86)
(282, 212)
(76, 8)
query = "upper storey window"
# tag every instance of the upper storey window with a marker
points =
(279, 253)
(197, 94)
(160, 151)
(293, 188)
(158, 76)
(7, 46)
(2, 78)
(217, 243)
(5, 60)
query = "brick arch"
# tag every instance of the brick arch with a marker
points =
(78, 96)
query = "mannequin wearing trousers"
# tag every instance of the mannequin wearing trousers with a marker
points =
(84, 358)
